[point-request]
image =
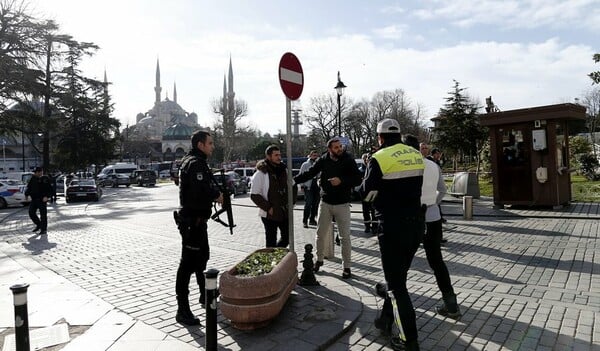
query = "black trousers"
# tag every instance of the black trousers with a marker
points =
(433, 251)
(368, 215)
(312, 198)
(399, 241)
(194, 256)
(42, 220)
(271, 232)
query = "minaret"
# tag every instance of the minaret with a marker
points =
(231, 93)
(105, 88)
(175, 92)
(157, 88)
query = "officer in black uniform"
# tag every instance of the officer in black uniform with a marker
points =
(393, 184)
(197, 192)
(40, 191)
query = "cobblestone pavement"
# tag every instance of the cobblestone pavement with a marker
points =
(526, 280)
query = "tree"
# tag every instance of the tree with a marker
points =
(321, 115)
(595, 76)
(591, 100)
(21, 76)
(458, 131)
(228, 124)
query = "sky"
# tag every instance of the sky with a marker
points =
(522, 53)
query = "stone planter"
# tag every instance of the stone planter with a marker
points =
(252, 302)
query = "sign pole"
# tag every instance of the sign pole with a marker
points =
(290, 203)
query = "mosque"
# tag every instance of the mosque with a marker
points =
(167, 124)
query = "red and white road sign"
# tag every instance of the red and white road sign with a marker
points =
(291, 77)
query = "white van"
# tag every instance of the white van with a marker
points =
(246, 174)
(117, 168)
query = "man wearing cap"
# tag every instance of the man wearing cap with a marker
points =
(197, 192)
(40, 191)
(393, 184)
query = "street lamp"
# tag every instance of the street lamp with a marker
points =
(339, 88)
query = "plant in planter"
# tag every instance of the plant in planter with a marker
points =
(254, 291)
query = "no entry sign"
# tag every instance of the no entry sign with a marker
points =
(291, 77)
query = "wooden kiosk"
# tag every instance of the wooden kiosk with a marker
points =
(530, 154)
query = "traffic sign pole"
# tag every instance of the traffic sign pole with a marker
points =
(290, 203)
(291, 80)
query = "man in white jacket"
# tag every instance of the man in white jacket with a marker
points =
(432, 192)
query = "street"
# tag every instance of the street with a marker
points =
(524, 282)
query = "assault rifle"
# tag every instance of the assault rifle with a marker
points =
(226, 206)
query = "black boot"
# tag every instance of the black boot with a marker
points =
(449, 307)
(184, 314)
(398, 344)
(385, 321)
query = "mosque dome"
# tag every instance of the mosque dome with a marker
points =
(178, 131)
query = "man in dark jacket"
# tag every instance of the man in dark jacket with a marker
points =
(197, 192)
(339, 174)
(269, 193)
(39, 190)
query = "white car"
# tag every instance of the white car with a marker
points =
(12, 193)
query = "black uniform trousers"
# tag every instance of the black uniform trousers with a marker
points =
(194, 256)
(42, 220)
(432, 245)
(271, 232)
(399, 240)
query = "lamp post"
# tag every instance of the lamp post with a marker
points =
(339, 88)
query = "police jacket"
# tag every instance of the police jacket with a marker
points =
(197, 189)
(396, 173)
(38, 187)
(344, 168)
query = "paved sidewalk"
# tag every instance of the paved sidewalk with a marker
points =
(526, 280)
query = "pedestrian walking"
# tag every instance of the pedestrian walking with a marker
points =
(197, 192)
(269, 193)
(40, 191)
(393, 184)
(338, 175)
(311, 189)
(433, 191)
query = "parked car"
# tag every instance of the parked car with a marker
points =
(246, 174)
(83, 189)
(115, 180)
(12, 193)
(233, 181)
(143, 177)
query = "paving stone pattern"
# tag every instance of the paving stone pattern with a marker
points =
(526, 280)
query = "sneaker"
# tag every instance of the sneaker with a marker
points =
(305, 225)
(37, 227)
(442, 310)
(43, 232)
(346, 274)
(313, 222)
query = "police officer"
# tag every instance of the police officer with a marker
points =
(40, 191)
(393, 184)
(197, 192)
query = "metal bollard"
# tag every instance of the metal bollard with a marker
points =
(21, 316)
(468, 207)
(211, 309)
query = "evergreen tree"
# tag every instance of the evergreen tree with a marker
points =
(458, 131)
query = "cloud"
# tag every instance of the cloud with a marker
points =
(514, 14)
(390, 32)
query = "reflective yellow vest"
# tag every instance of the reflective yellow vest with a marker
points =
(399, 161)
